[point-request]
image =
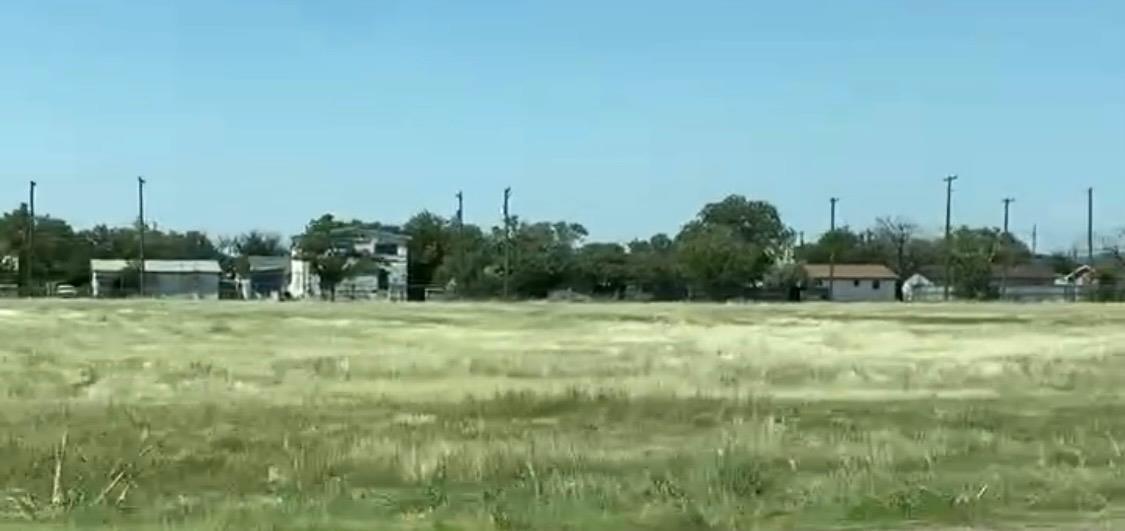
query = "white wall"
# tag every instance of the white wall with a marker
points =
(198, 285)
(846, 290)
(303, 283)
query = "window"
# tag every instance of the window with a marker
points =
(820, 282)
(386, 248)
(875, 284)
(855, 282)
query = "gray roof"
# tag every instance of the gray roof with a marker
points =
(381, 235)
(268, 263)
(158, 266)
(849, 271)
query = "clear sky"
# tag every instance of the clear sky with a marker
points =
(625, 115)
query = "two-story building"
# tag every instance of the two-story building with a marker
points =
(388, 279)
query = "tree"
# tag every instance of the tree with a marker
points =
(430, 241)
(654, 269)
(755, 222)
(236, 251)
(58, 254)
(717, 261)
(752, 227)
(1113, 247)
(543, 255)
(1062, 264)
(469, 268)
(896, 234)
(259, 243)
(849, 247)
(975, 253)
(602, 269)
(788, 277)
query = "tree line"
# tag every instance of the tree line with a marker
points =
(731, 248)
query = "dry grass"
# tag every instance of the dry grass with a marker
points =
(316, 416)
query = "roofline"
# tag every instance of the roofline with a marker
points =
(841, 273)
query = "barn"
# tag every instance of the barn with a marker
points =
(197, 279)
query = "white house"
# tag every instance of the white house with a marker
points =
(389, 281)
(853, 282)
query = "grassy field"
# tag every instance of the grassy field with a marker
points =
(539, 416)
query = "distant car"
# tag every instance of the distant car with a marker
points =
(66, 291)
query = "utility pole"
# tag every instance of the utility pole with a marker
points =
(30, 247)
(141, 228)
(1007, 203)
(460, 209)
(832, 214)
(948, 243)
(1004, 247)
(507, 242)
(1034, 240)
(832, 247)
(1090, 227)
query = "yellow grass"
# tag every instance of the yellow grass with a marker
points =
(334, 416)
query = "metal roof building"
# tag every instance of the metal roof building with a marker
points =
(163, 278)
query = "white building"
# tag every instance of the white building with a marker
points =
(853, 282)
(920, 288)
(389, 281)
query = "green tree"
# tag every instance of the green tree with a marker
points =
(787, 276)
(259, 243)
(469, 268)
(755, 222)
(238, 249)
(602, 269)
(717, 261)
(57, 254)
(850, 247)
(977, 255)
(543, 256)
(430, 243)
(1062, 264)
(654, 269)
(754, 233)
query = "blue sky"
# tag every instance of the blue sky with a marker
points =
(626, 116)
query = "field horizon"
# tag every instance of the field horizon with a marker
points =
(242, 415)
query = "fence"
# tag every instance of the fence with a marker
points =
(1065, 293)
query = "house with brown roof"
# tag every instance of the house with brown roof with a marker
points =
(853, 282)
